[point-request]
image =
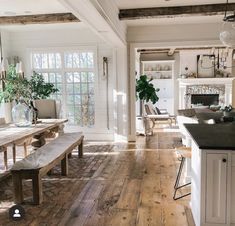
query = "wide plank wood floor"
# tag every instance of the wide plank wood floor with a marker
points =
(114, 184)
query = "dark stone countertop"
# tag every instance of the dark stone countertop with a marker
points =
(213, 136)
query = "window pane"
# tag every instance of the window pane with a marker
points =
(78, 119)
(77, 88)
(52, 78)
(91, 88)
(59, 87)
(45, 76)
(84, 77)
(37, 61)
(44, 61)
(91, 77)
(69, 77)
(77, 99)
(51, 57)
(70, 89)
(68, 60)
(85, 99)
(70, 99)
(84, 88)
(58, 60)
(90, 60)
(77, 109)
(58, 78)
(76, 77)
(75, 60)
(83, 60)
(91, 99)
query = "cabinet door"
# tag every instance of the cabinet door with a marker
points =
(165, 86)
(216, 188)
(233, 191)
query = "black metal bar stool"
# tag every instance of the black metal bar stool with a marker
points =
(185, 152)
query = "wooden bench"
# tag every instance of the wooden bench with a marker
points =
(39, 163)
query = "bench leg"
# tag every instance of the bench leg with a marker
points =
(80, 149)
(14, 153)
(25, 149)
(5, 158)
(64, 166)
(37, 189)
(17, 186)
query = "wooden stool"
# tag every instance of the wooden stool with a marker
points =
(185, 152)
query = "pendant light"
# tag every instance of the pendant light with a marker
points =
(227, 34)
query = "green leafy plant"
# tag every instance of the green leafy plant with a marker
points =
(39, 88)
(33, 88)
(145, 90)
(15, 86)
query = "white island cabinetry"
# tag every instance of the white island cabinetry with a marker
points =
(213, 187)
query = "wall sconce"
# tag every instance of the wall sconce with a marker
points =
(105, 75)
(105, 67)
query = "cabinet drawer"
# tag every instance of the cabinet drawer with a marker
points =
(233, 159)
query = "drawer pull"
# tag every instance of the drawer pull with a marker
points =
(224, 160)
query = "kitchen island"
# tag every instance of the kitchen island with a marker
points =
(213, 174)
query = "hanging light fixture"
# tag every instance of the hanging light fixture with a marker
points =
(227, 34)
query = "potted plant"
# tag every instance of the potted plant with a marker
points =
(145, 91)
(17, 87)
(226, 110)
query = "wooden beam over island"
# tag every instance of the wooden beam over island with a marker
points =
(175, 11)
(39, 19)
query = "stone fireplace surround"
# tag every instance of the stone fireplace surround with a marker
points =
(221, 86)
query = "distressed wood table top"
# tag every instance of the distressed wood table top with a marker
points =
(10, 133)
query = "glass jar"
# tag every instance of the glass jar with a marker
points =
(22, 114)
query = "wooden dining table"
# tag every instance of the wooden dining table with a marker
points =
(11, 134)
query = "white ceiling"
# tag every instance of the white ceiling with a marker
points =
(129, 4)
(26, 7)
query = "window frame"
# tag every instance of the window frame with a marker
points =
(63, 70)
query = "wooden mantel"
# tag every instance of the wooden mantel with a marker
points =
(205, 81)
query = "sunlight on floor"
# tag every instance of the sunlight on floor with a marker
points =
(101, 153)
(4, 206)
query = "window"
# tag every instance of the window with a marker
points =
(73, 73)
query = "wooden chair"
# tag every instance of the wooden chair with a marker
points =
(155, 116)
(48, 109)
(184, 152)
(23, 143)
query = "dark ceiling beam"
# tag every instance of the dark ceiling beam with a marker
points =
(175, 11)
(39, 19)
